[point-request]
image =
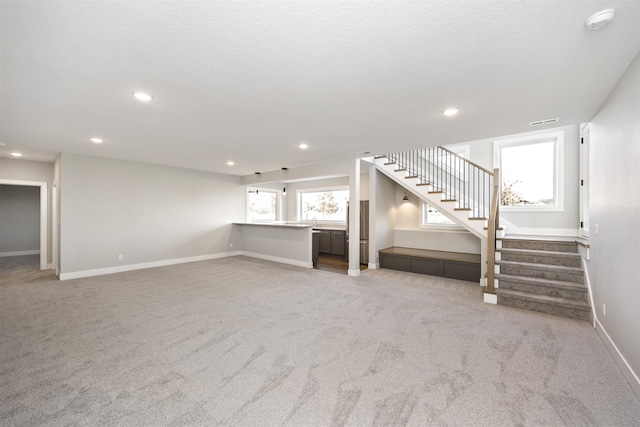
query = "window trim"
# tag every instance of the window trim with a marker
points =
(558, 179)
(317, 190)
(278, 194)
(436, 227)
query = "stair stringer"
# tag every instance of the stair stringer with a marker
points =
(461, 217)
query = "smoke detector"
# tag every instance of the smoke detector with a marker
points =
(600, 19)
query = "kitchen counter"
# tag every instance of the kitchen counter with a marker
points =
(289, 243)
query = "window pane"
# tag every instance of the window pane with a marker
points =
(329, 205)
(528, 174)
(262, 206)
(431, 216)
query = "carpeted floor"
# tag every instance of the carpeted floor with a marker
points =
(23, 269)
(244, 342)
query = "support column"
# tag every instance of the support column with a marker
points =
(374, 262)
(354, 219)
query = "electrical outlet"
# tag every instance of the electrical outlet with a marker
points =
(604, 310)
(597, 229)
(120, 257)
(230, 245)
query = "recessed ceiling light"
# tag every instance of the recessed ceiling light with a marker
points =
(141, 96)
(600, 19)
(230, 163)
(96, 140)
(303, 146)
(16, 154)
(450, 112)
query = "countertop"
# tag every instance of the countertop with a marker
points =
(295, 225)
(274, 224)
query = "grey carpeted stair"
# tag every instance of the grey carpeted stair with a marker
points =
(542, 275)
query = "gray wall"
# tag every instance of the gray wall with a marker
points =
(614, 204)
(19, 218)
(26, 170)
(147, 213)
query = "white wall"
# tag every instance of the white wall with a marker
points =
(26, 170)
(383, 202)
(19, 219)
(146, 213)
(565, 222)
(614, 205)
(409, 234)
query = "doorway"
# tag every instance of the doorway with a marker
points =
(42, 258)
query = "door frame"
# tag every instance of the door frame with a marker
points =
(44, 229)
(585, 132)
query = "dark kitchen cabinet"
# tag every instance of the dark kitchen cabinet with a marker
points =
(338, 241)
(332, 242)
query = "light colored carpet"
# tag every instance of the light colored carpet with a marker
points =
(23, 269)
(244, 342)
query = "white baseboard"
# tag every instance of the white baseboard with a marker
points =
(621, 362)
(490, 298)
(354, 273)
(374, 266)
(20, 253)
(131, 267)
(297, 263)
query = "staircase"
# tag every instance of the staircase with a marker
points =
(456, 187)
(542, 275)
(538, 275)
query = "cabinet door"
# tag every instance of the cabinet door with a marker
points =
(337, 242)
(324, 246)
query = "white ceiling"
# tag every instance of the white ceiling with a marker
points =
(247, 81)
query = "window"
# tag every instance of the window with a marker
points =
(262, 205)
(529, 172)
(432, 217)
(323, 205)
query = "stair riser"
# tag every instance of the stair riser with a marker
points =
(545, 308)
(543, 290)
(549, 274)
(542, 259)
(540, 245)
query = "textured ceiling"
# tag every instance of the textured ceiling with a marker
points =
(247, 81)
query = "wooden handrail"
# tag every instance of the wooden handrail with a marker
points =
(467, 160)
(491, 233)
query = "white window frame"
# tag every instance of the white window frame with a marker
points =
(435, 227)
(317, 190)
(278, 194)
(558, 179)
